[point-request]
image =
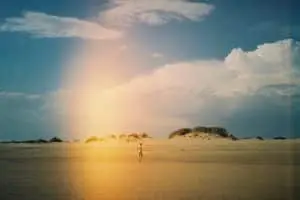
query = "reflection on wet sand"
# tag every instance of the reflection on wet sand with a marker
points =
(99, 173)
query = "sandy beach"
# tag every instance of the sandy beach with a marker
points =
(175, 169)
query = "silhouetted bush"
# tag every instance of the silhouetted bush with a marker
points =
(259, 138)
(211, 131)
(279, 138)
(122, 136)
(40, 141)
(215, 130)
(55, 140)
(144, 135)
(201, 129)
(93, 139)
(134, 135)
(180, 132)
(113, 136)
(29, 141)
(233, 137)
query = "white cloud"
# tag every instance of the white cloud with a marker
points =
(120, 12)
(154, 12)
(49, 26)
(240, 73)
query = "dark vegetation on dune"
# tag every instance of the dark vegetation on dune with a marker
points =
(259, 138)
(196, 132)
(94, 139)
(203, 132)
(279, 138)
(256, 138)
(55, 139)
(39, 141)
(131, 137)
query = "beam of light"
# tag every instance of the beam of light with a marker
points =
(93, 108)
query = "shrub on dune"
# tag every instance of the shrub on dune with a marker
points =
(259, 138)
(93, 139)
(203, 132)
(55, 140)
(112, 137)
(180, 132)
(42, 141)
(133, 136)
(279, 138)
(144, 135)
(122, 136)
(233, 137)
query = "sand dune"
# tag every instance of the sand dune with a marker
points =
(177, 169)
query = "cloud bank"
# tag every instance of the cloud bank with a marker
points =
(42, 25)
(155, 12)
(248, 92)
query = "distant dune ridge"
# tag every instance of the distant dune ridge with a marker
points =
(200, 132)
(203, 132)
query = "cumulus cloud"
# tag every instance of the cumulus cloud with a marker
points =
(155, 12)
(238, 74)
(49, 26)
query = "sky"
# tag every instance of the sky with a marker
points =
(74, 68)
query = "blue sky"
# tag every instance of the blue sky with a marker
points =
(45, 44)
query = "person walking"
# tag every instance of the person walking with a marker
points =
(140, 151)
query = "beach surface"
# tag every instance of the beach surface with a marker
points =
(176, 169)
